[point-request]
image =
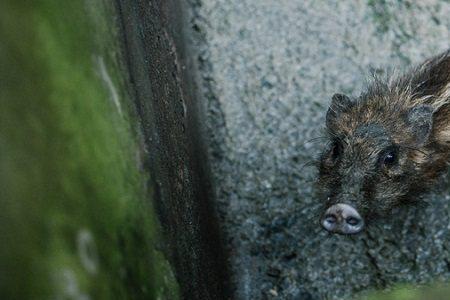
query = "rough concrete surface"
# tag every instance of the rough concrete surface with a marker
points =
(267, 70)
(174, 155)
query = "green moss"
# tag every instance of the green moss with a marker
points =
(76, 220)
(434, 292)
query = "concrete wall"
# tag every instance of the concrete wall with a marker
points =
(267, 72)
(161, 75)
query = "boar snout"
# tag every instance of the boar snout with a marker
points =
(342, 218)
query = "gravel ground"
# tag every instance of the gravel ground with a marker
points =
(267, 72)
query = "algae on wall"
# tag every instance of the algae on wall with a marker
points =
(76, 218)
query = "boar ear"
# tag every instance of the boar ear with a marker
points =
(339, 104)
(441, 125)
(431, 77)
(420, 123)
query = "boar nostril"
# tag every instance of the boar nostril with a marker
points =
(352, 221)
(329, 222)
(331, 219)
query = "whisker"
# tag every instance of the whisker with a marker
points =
(314, 140)
(414, 148)
(317, 138)
(308, 164)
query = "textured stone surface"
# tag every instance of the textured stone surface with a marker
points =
(160, 69)
(267, 72)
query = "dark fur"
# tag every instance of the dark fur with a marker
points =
(408, 116)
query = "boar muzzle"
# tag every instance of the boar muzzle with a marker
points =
(343, 219)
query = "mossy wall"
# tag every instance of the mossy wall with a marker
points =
(77, 219)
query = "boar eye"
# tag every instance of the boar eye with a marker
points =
(389, 158)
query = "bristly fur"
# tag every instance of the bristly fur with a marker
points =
(407, 117)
